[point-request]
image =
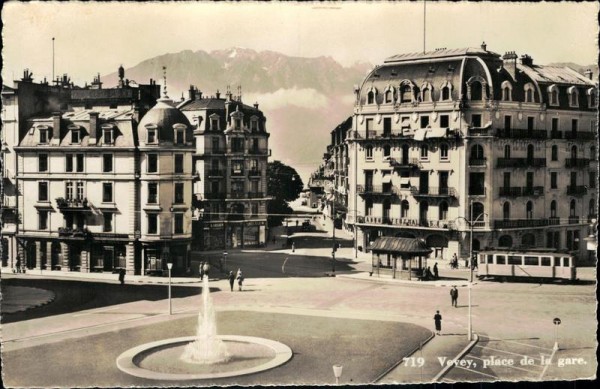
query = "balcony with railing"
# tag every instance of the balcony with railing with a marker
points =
(521, 162)
(386, 190)
(237, 195)
(408, 163)
(214, 150)
(573, 219)
(405, 222)
(433, 191)
(579, 135)
(532, 190)
(516, 191)
(577, 162)
(480, 131)
(521, 223)
(237, 172)
(576, 190)
(514, 133)
(477, 162)
(77, 233)
(259, 151)
(75, 204)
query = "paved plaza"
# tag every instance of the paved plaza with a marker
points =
(366, 323)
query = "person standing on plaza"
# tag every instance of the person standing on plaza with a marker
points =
(206, 268)
(201, 270)
(436, 274)
(122, 276)
(231, 280)
(454, 261)
(240, 278)
(437, 318)
(18, 264)
(454, 296)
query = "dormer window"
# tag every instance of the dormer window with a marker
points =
(529, 93)
(591, 97)
(214, 122)
(426, 92)
(107, 135)
(405, 94)
(254, 125)
(238, 123)
(151, 135)
(75, 136)
(553, 94)
(43, 135)
(371, 97)
(506, 91)
(179, 134)
(573, 97)
(389, 96)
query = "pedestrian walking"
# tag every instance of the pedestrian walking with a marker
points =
(201, 270)
(240, 278)
(18, 264)
(436, 274)
(293, 247)
(454, 261)
(231, 279)
(454, 296)
(437, 318)
(206, 269)
(122, 276)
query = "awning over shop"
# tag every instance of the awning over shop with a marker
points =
(406, 246)
(436, 133)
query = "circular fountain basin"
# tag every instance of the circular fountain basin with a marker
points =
(160, 360)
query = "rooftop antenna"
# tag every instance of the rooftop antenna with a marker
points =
(165, 81)
(53, 58)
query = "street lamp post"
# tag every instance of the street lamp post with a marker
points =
(170, 266)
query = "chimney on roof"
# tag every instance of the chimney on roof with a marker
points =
(256, 105)
(218, 94)
(192, 93)
(27, 76)
(56, 120)
(121, 76)
(526, 60)
(199, 94)
(510, 63)
(589, 74)
(483, 46)
(93, 127)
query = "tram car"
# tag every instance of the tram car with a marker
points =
(535, 265)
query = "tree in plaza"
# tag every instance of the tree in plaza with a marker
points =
(283, 185)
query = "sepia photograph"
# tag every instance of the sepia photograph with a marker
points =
(200, 193)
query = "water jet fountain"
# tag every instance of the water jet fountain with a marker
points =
(203, 356)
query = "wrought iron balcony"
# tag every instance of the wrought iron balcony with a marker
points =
(479, 131)
(573, 219)
(580, 135)
(237, 195)
(516, 191)
(514, 133)
(510, 191)
(214, 196)
(521, 162)
(477, 161)
(67, 232)
(409, 163)
(521, 223)
(433, 191)
(72, 204)
(555, 134)
(576, 190)
(254, 172)
(376, 190)
(577, 162)
(533, 190)
(237, 172)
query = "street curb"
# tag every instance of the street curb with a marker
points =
(387, 371)
(460, 355)
(391, 281)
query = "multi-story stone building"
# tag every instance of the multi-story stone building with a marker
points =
(230, 163)
(443, 138)
(96, 191)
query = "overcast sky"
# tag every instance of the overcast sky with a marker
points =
(98, 37)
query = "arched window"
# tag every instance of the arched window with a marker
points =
(529, 93)
(553, 208)
(404, 208)
(386, 150)
(573, 96)
(445, 93)
(369, 207)
(444, 152)
(426, 92)
(477, 214)
(528, 240)
(505, 241)
(370, 97)
(530, 152)
(591, 98)
(477, 152)
(389, 96)
(476, 90)
(574, 152)
(529, 210)
(573, 208)
(553, 94)
(506, 91)
(507, 151)
(443, 208)
(424, 152)
(406, 93)
(506, 211)
(554, 152)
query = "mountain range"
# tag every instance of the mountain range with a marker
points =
(303, 98)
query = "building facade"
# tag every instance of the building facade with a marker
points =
(103, 179)
(445, 139)
(230, 171)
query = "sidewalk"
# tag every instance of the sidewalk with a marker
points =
(450, 346)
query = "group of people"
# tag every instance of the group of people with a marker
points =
(428, 275)
(203, 269)
(239, 277)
